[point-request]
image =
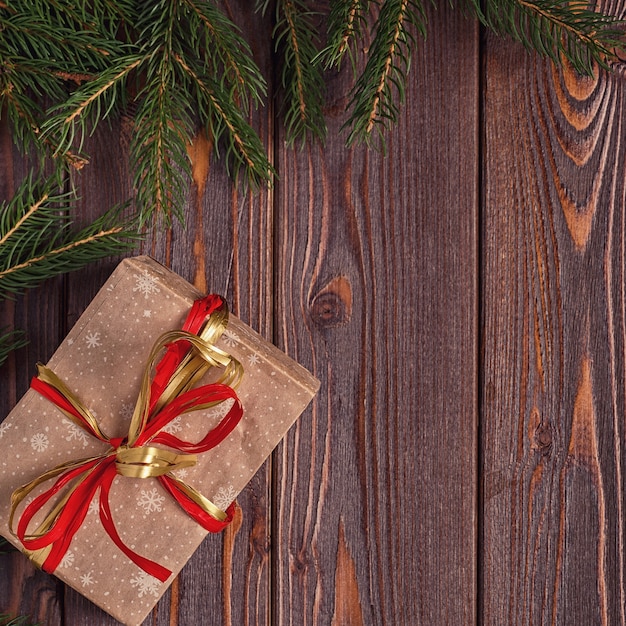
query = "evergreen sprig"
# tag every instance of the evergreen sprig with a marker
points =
(556, 29)
(37, 241)
(295, 39)
(45, 46)
(10, 340)
(186, 67)
(347, 22)
(373, 103)
(179, 67)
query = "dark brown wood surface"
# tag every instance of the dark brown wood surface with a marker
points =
(461, 299)
(554, 328)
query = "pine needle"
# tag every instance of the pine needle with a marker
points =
(346, 22)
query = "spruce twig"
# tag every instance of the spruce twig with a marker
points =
(556, 29)
(346, 22)
(37, 242)
(373, 103)
(295, 37)
(10, 340)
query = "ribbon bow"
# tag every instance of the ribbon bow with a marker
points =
(189, 353)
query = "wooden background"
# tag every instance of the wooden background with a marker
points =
(462, 300)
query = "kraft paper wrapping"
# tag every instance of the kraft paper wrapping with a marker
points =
(102, 360)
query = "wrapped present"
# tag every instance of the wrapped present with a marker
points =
(135, 439)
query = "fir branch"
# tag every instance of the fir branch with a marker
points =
(10, 340)
(556, 29)
(162, 124)
(219, 116)
(294, 36)
(224, 52)
(67, 124)
(372, 101)
(36, 242)
(346, 21)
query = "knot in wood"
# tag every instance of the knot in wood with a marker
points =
(332, 306)
(542, 438)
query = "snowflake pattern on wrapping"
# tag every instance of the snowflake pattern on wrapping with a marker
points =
(77, 433)
(39, 442)
(145, 584)
(146, 284)
(87, 579)
(253, 359)
(150, 500)
(224, 497)
(92, 340)
(94, 507)
(230, 338)
(68, 559)
(3, 428)
(127, 410)
(221, 409)
(175, 426)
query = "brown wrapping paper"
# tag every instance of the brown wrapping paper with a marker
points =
(102, 360)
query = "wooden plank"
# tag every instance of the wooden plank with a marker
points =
(554, 342)
(23, 589)
(377, 294)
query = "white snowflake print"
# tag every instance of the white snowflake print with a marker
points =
(39, 442)
(75, 432)
(94, 507)
(93, 340)
(147, 313)
(181, 473)
(230, 338)
(3, 428)
(127, 410)
(145, 584)
(174, 426)
(224, 497)
(221, 409)
(150, 500)
(146, 284)
(70, 342)
(68, 559)
(253, 359)
(87, 579)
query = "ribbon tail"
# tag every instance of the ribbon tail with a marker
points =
(199, 508)
(51, 387)
(150, 567)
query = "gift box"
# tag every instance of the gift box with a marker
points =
(102, 362)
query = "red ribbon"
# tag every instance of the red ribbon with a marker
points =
(97, 475)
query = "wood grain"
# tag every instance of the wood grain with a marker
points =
(24, 590)
(554, 344)
(377, 295)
